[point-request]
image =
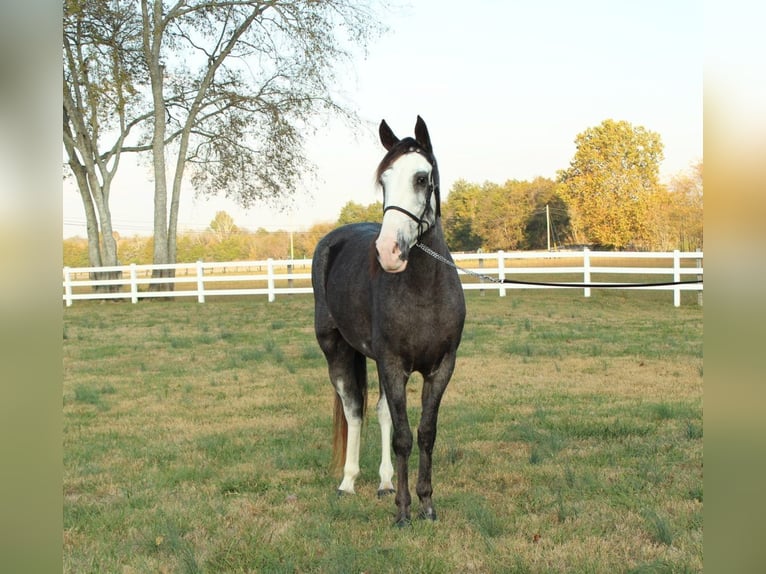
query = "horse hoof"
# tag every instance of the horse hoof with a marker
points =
(382, 493)
(427, 515)
(403, 523)
(343, 493)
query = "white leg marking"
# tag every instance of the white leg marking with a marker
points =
(351, 465)
(386, 467)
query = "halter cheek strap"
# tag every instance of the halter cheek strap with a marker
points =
(419, 220)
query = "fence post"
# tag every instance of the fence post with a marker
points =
(501, 271)
(586, 270)
(200, 282)
(133, 284)
(270, 275)
(68, 286)
(481, 279)
(290, 273)
(676, 277)
(699, 277)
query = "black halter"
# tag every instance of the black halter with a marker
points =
(421, 221)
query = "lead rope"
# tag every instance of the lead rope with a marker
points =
(452, 264)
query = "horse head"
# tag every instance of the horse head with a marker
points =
(409, 178)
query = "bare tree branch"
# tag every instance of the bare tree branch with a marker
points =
(227, 87)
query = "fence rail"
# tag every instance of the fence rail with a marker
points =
(280, 277)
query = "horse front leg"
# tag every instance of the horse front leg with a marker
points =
(393, 385)
(434, 386)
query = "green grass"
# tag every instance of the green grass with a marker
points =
(197, 439)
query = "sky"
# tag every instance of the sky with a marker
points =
(504, 87)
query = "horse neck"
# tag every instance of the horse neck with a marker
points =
(428, 268)
(435, 238)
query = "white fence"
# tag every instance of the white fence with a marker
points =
(278, 277)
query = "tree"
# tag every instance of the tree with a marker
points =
(192, 246)
(101, 106)
(503, 213)
(676, 219)
(238, 82)
(459, 211)
(612, 183)
(136, 249)
(76, 252)
(230, 87)
(223, 225)
(306, 242)
(687, 188)
(270, 244)
(498, 217)
(357, 213)
(542, 193)
(493, 216)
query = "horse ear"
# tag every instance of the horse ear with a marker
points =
(387, 137)
(421, 135)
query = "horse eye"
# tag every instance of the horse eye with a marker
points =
(421, 180)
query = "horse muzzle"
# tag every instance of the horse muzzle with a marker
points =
(392, 254)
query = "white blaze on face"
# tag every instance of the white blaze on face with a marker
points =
(399, 232)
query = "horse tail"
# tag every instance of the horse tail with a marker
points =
(339, 422)
(339, 436)
(360, 368)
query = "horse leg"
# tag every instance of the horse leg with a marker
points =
(348, 374)
(434, 386)
(394, 385)
(353, 416)
(386, 467)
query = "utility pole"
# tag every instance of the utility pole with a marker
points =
(548, 224)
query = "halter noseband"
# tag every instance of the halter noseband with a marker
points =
(419, 220)
(429, 192)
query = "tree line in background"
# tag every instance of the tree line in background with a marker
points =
(516, 215)
(610, 197)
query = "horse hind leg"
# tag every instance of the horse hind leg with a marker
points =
(386, 466)
(352, 445)
(348, 373)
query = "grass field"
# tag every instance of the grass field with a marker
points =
(197, 439)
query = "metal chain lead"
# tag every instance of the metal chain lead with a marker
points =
(446, 261)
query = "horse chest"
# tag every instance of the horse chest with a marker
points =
(420, 332)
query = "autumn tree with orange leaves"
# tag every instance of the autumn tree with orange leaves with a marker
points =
(612, 184)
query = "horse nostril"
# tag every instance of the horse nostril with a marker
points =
(393, 248)
(403, 249)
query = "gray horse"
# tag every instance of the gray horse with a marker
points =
(376, 297)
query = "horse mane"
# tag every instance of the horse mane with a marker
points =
(403, 147)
